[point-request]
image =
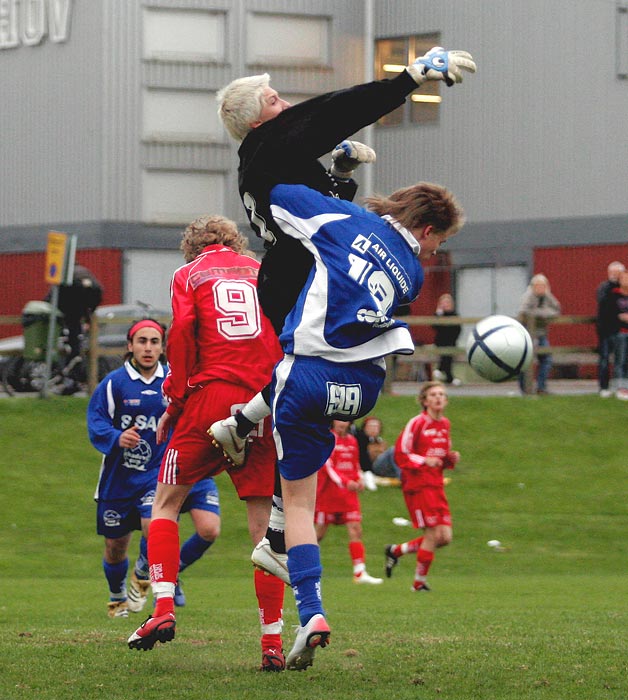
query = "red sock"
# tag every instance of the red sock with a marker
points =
(270, 593)
(163, 558)
(357, 552)
(424, 559)
(406, 547)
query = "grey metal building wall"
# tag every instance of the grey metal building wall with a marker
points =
(535, 144)
(346, 67)
(72, 121)
(538, 135)
(51, 116)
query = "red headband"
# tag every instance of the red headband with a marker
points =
(145, 323)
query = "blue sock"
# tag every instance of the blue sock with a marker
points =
(193, 548)
(304, 565)
(141, 563)
(116, 577)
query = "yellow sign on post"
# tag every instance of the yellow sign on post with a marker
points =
(56, 257)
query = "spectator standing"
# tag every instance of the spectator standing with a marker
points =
(538, 307)
(607, 325)
(337, 500)
(619, 298)
(423, 451)
(77, 302)
(445, 337)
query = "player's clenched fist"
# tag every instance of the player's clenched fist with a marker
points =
(439, 64)
(348, 155)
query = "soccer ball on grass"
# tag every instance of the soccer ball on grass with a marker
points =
(499, 348)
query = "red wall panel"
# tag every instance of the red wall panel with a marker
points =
(22, 276)
(574, 273)
(437, 281)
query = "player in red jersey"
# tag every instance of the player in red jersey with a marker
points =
(221, 350)
(422, 452)
(337, 500)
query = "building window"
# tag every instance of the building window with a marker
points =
(180, 115)
(174, 198)
(391, 57)
(182, 35)
(287, 40)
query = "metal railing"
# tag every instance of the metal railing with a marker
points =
(429, 354)
(424, 354)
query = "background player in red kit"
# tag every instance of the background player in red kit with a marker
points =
(221, 350)
(337, 500)
(422, 452)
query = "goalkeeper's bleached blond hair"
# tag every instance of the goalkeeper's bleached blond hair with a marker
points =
(211, 230)
(240, 104)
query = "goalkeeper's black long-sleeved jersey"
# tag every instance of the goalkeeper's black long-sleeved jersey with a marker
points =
(285, 150)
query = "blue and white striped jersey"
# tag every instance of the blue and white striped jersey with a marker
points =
(125, 398)
(365, 267)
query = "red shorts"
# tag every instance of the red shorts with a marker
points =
(191, 456)
(323, 518)
(428, 507)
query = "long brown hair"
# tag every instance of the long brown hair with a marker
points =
(420, 205)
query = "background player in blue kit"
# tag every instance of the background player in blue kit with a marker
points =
(366, 263)
(122, 418)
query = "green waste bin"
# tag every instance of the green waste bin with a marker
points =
(36, 317)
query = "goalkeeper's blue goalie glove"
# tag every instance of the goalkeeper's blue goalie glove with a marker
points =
(439, 64)
(347, 156)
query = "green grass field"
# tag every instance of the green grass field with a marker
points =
(545, 619)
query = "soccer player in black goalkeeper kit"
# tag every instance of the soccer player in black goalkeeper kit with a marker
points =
(281, 144)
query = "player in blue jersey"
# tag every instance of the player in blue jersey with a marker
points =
(366, 264)
(122, 419)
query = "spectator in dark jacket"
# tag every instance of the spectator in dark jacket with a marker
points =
(77, 302)
(446, 336)
(606, 324)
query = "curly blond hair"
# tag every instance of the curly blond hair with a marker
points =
(211, 230)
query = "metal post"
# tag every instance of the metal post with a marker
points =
(52, 334)
(92, 377)
(369, 61)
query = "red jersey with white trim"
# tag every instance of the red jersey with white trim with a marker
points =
(218, 330)
(342, 466)
(422, 437)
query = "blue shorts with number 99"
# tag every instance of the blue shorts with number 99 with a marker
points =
(308, 393)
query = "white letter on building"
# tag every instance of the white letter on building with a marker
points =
(33, 22)
(59, 12)
(8, 24)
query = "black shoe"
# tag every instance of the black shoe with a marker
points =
(391, 560)
(421, 586)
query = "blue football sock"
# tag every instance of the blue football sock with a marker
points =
(193, 549)
(304, 565)
(116, 578)
(141, 563)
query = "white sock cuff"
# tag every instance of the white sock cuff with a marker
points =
(256, 409)
(163, 589)
(273, 627)
(277, 519)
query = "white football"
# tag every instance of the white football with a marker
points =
(499, 348)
